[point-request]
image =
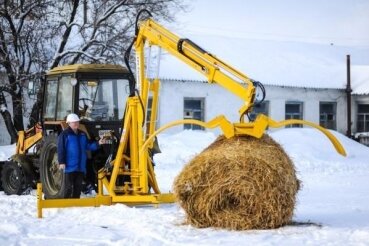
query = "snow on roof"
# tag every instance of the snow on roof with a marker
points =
(281, 63)
(360, 79)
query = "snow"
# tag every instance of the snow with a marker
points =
(282, 63)
(6, 152)
(300, 44)
(333, 198)
(360, 79)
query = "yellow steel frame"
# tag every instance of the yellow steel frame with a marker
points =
(138, 166)
(137, 139)
(26, 139)
(255, 129)
(216, 71)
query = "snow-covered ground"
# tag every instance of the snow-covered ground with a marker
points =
(335, 195)
(6, 152)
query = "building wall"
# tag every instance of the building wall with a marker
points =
(220, 101)
(357, 99)
(217, 101)
(311, 98)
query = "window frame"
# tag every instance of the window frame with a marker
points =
(67, 77)
(365, 116)
(301, 113)
(55, 99)
(202, 113)
(254, 113)
(114, 105)
(326, 121)
(57, 79)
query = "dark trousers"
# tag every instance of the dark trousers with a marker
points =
(73, 184)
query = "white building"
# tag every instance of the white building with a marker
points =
(203, 101)
(302, 80)
(184, 99)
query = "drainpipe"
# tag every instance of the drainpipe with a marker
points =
(348, 94)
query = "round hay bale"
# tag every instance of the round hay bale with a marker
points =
(239, 183)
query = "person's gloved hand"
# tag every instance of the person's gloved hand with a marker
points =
(102, 141)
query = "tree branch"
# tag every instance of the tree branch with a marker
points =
(68, 52)
(65, 36)
(106, 15)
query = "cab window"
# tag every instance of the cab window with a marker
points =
(65, 98)
(102, 100)
(58, 98)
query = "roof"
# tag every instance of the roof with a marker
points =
(280, 63)
(88, 68)
(360, 80)
(267, 84)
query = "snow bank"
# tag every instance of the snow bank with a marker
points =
(6, 152)
(335, 195)
(311, 151)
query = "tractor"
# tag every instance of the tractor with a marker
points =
(97, 93)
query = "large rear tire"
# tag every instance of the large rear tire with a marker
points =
(52, 178)
(14, 180)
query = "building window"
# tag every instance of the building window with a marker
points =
(294, 111)
(260, 108)
(362, 118)
(193, 109)
(327, 111)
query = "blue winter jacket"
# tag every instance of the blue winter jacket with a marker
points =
(72, 149)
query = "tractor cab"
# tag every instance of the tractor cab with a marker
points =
(96, 93)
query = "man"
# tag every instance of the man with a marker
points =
(72, 156)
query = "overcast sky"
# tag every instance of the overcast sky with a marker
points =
(289, 42)
(341, 22)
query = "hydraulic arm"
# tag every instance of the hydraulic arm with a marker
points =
(216, 71)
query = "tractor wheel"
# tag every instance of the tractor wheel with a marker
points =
(14, 179)
(50, 174)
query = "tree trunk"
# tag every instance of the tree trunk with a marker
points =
(17, 109)
(7, 119)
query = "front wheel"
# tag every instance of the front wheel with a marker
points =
(51, 176)
(14, 179)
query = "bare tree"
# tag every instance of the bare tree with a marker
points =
(39, 35)
(17, 52)
(104, 29)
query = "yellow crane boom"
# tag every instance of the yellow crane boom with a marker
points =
(216, 71)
